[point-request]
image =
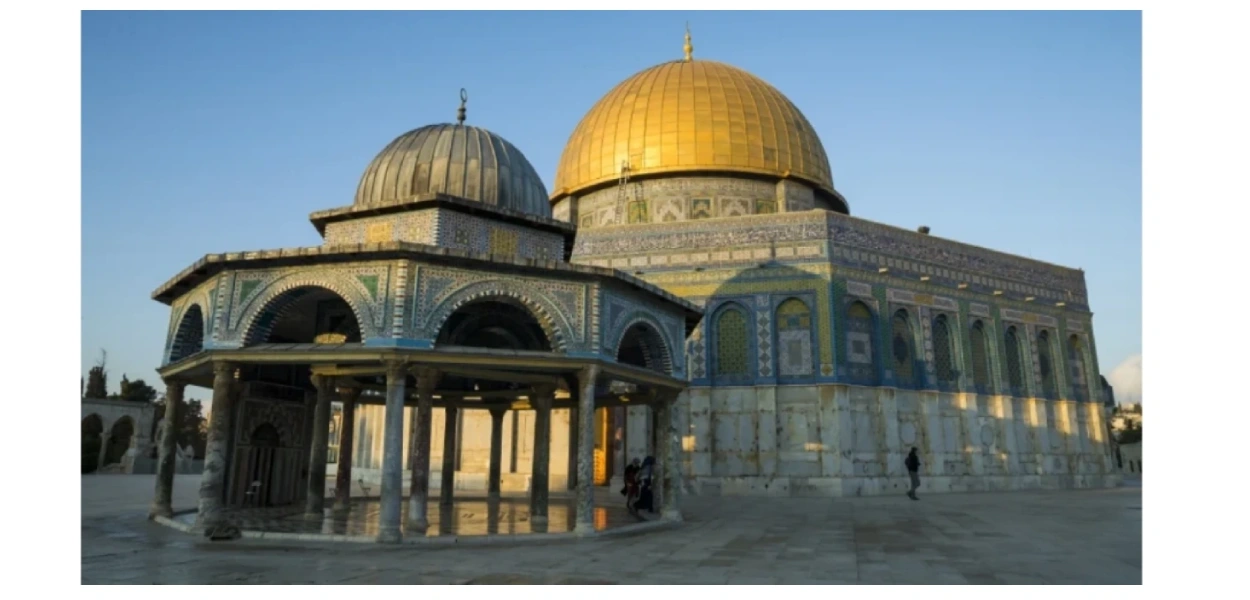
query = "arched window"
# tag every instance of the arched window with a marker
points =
(943, 355)
(1046, 366)
(980, 360)
(794, 339)
(1076, 368)
(902, 350)
(1015, 371)
(732, 343)
(861, 359)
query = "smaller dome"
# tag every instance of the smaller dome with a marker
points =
(457, 160)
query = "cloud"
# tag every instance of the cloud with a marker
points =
(1126, 379)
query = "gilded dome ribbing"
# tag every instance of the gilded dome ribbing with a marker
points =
(692, 116)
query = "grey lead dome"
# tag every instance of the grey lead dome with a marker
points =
(458, 160)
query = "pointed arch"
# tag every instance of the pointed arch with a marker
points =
(903, 351)
(189, 336)
(642, 343)
(1076, 369)
(795, 358)
(732, 358)
(1014, 362)
(980, 359)
(554, 323)
(944, 365)
(1047, 369)
(861, 351)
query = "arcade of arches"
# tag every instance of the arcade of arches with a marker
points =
(274, 427)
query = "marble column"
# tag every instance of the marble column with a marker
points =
(166, 463)
(586, 380)
(448, 490)
(573, 430)
(419, 486)
(669, 481)
(213, 481)
(540, 472)
(496, 451)
(347, 442)
(315, 499)
(392, 455)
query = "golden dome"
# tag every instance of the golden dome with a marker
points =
(692, 116)
(458, 160)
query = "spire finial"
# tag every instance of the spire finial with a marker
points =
(689, 48)
(464, 97)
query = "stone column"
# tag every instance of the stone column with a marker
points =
(668, 484)
(586, 450)
(315, 499)
(496, 451)
(213, 481)
(392, 455)
(166, 463)
(448, 490)
(573, 431)
(541, 470)
(419, 486)
(347, 442)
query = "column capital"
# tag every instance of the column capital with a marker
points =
(542, 396)
(322, 382)
(174, 385)
(349, 393)
(427, 379)
(588, 374)
(395, 369)
(222, 368)
(497, 412)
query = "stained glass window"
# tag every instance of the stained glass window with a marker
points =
(1076, 367)
(980, 359)
(731, 343)
(1015, 374)
(860, 356)
(1046, 365)
(794, 338)
(901, 350)
(943, 354)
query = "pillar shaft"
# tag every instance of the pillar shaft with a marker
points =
(540, 472)
(419, 492)
(104, 448)
(166, 463)
(347, 442)
(574, 428)
(213, 481)
(392, 455)
(315, 500)
(496, 451)
(586, 450)
(447, 491)
(669, 482)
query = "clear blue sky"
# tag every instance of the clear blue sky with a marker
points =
(208, 132)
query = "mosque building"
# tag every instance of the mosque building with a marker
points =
(694, 288)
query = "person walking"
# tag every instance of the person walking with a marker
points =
(913, 470)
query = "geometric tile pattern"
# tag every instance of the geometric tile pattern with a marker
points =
(732, 346)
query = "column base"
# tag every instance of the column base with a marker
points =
(584, 529)
(160, 510)
(538, 519)
(387, 536)
(671, 515)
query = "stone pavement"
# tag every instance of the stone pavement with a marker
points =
(1056, 537)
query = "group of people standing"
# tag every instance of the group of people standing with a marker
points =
(637, 490)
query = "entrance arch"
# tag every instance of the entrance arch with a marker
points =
(189, 337)
(642, 345)
(259, 464)
(302, 315)
(120, 435)
(92, 437)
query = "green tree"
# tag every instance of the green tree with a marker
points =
(137, 391)
(97, 378)
(1130, 435)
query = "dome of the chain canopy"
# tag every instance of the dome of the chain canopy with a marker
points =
(458, 160)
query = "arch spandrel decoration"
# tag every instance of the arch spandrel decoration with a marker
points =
(670, 357)
(554, 323)
(349, 290)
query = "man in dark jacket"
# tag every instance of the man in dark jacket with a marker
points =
(913, 469)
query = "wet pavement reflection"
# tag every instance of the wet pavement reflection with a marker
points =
(464, 517)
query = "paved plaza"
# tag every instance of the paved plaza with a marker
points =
(1057, 537)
